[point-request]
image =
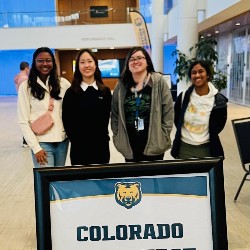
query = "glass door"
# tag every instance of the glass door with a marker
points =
(247, 93)
(239, 73)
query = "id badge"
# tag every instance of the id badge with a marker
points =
(140, 124)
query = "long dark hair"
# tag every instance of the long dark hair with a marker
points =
(126, 75)
(77, 79)
(54, 82)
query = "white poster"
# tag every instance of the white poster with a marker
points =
(161, 212)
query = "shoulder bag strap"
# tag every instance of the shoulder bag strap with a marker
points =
(51, 104)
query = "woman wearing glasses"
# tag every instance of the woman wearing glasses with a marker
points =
(142, 110)
(49, 149)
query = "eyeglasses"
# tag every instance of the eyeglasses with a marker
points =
(138, 58)
(42, 61)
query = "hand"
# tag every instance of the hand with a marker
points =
(41, 157)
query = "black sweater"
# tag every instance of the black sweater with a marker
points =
(85, 118)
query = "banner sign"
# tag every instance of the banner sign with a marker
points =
(141, 30)
(150, 210)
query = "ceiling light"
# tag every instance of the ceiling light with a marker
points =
(237, 24)
(217, 31)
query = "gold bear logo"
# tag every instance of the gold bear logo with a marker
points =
(128, 194)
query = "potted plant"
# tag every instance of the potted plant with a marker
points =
(204, 50)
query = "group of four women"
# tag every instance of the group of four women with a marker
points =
(141, 107)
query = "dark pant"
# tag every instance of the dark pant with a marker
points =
(89, 153)
(193, 151)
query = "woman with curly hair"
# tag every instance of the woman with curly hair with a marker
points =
(49, 149)
(200, 115)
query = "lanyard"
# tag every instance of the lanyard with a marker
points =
(138, 97)
(139, 123)
(137, 104)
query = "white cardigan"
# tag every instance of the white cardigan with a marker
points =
(30, 108)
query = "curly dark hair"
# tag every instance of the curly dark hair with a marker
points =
(54, 82)
(205, 64)
(126, 75)
(77, 79)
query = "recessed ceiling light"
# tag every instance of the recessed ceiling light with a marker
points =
(237, 24)
(217, 31)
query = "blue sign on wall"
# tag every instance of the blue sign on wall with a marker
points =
(9, 67)
(146, 10)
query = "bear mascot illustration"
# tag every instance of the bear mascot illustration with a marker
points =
(128, 194)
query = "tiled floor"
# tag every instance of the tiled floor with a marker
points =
(17, 212)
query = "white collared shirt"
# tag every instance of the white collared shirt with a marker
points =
(84, 85)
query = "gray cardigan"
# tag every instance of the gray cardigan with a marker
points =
(160, 123)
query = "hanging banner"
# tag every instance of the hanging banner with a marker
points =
(141, 30)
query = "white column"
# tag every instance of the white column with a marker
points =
(156, 35)
(187, 32)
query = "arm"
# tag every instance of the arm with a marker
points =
(23, 117)
(108, 98)
(114, 111)
(167, 107)
(69, 107)
(218, 117)
(177, 109)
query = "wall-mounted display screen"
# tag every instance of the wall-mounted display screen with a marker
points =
(110, 68)
(98, 11)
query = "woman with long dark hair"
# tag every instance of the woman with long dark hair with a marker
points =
(34, 95)
(86, 112)
(142, 110)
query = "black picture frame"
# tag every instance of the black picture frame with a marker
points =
(98, 11)
(213, 166)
